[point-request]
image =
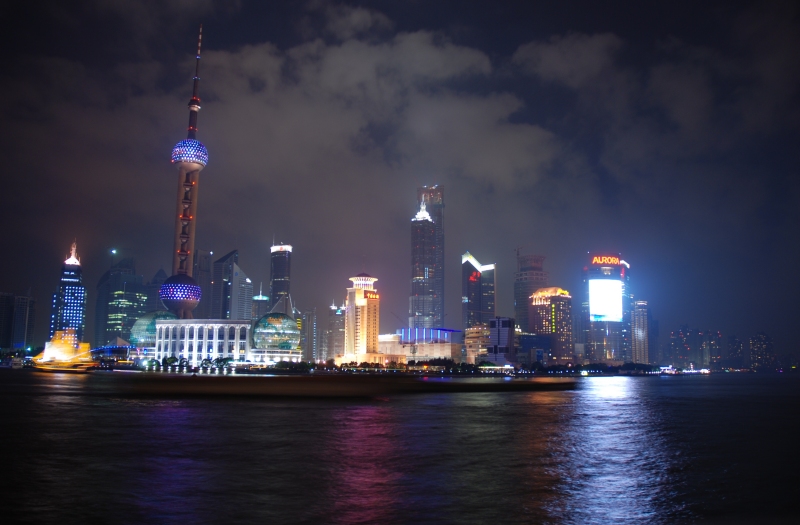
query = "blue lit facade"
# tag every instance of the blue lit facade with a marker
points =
(69, 301)
(180, 292)
(190, 150)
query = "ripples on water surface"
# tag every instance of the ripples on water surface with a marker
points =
(616, 450)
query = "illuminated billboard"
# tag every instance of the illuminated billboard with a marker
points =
(605, 300)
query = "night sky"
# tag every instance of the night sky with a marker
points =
(666, 131)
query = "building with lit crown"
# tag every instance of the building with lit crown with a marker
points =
(433, 197)
(68, 312)
(421, 312)
(280, 271)
(550, 314)
(478, 285)
(606, 309)
(180, 293)
(260, 305)
(361, 321)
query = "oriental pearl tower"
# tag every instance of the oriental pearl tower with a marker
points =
(180, 293)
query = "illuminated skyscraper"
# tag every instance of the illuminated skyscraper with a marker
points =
(530, 277)
(280, 271)
(334, 335)
(433, 197)
(308, 336)
(362, 318)
(121, 300)
(180, 293)
(69, 301)
(421, 313)
(762, 353)
(241, 295)
(477, 291)
(550, 314)
(640, 333)
(260, 304)
(606, 310)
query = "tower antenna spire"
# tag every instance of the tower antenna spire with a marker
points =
(194, 103)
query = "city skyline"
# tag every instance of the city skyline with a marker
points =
(714, 222)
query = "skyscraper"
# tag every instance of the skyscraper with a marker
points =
(421, 312)
(308, 336)
(280, 271)
(550, 314)
(180, 293)
(221, 285)
(334, 335)
(477, 291)
(640, 333)
(241, 295)
(202, 275)
(530, 276)
(69, 301)
(362, 318)
(433, 197)
(762, 353)
(606, 309)
(121, 300)
(260, 304)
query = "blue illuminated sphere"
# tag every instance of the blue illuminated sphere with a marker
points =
(180, 292)
(191, 151)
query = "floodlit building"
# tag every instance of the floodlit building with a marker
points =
(121, 300)
(68, 312)
(334, 335)
(241, 305)
(276, 337)
(180, 293)
(433, 197)
(260, 305)
(550, 314)
(640, 333)
(362, 321)
(199, 339)
(421, 312)
(280, 270)
(530, 276)
(477, 291)
(606, 309)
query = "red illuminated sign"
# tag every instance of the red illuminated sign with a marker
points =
(605, 259)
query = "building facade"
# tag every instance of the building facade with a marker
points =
(121, 300)
(550, 314)
(241, 305)
(606, 310)
(477, 291)
(362, 319)
(421, 311)
(280, 271)
(222, 284)
(334, 335)
(198, 339)
(68, 309)
(530, 276)
(640, 333)
(433, 197)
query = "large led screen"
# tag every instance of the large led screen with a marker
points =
(605, 300)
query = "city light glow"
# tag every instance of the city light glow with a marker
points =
(605, 300)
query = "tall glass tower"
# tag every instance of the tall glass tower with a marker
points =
(530, 276)
(421, 312)
(180, 293)
(433, 197)
(280, 271)
(69, 301)
(478, 285)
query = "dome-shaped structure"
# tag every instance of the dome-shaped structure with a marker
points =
(276, 331)
(190, 151)
(180, 293)
(143, 331)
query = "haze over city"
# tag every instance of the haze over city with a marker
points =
(607, 128)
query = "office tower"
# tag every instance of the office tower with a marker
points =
(6, 320)
(221, 283)
(24, 321)
(433, 197)
(640, 333)
(530, 276)
(69, 301)
(180, 293)
(501, 336)
(153, 303)
(260, 304)
(477, 291)
(202, 271)
(607, 308)
(735, 358)
(121, 300)
(550, 314)
(712, 348)
(241, 295)
(334, 335)
(762, 353)
(421, 312)
(308, 340)
(280, 271)
(362, 317)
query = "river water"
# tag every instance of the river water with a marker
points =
(719, 448)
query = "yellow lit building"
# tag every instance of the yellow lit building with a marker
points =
(551, 314)
(361, 322)
(63, 347)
